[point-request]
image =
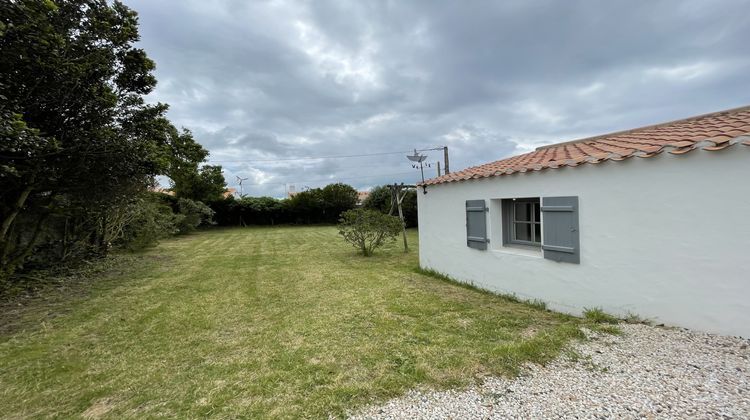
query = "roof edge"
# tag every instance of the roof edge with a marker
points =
(630, 130)
(706, 145)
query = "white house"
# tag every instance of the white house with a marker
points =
(653, 221)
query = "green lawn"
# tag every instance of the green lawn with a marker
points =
(262, 322)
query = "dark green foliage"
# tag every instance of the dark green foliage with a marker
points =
(157, 216)
(322, 205)
(337, 198)
(79, 146)
(368, 229)
(204, 184)
(306, 207)
(70, 71)
(380, 199)
(317, 205)
(153, 219)
(192, 214)
(250, 211)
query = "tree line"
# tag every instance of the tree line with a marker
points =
(313, 206)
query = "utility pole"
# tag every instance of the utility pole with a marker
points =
(397, 197)
(445, 160)
(438, 167)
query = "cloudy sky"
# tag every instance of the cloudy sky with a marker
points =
(264, 82)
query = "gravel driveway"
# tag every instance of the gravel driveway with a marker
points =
(648, 372)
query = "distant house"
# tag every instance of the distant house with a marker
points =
(226, 194)
(653, 221)
(362, 196)
(230, 192)
(161, 190)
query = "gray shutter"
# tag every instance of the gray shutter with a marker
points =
(476, 224)
(560, 236)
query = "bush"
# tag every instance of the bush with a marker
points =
(250, 211)
(368, 229)
(316, 205)
(321, 205)
(193, 214)
(153, 220)
(158, 216)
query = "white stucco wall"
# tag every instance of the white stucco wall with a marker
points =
(666, 238)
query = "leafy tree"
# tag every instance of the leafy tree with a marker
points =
(151, 219)
(174, 152)
(21, 165)
(251, 211)
(322, 205)
(380, 199)
(307, 206)
(79, 143)
(184, 154)
(205, 184)
(317, 205)
(368, 229)
(193, 214)
(189, 179)
(264, 210)
(337, 198)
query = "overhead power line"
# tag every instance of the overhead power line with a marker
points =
(308, 157)
(330, 179)
(322, 157)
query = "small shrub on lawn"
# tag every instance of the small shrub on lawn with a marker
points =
(367, 229)
(598, 316)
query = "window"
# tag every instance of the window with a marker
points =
(522, 222)
(520, 226)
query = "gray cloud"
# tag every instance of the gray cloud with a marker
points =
(280, 79)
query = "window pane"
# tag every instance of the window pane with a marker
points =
(537, 213)
(538, 233)
(523, 231)
(523, 211)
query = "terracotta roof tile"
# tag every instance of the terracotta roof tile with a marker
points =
(710, 132)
